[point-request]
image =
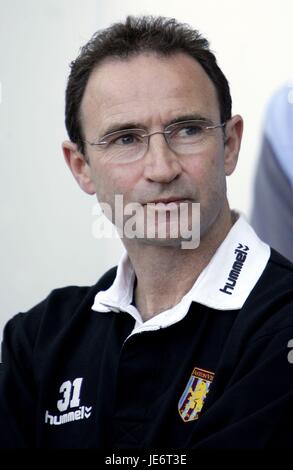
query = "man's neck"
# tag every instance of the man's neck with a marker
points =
(166, 273)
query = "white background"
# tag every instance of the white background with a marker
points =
(46, 220)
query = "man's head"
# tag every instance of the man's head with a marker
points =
(158, 35)
(163, 74)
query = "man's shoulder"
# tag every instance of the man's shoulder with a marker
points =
(277, 279)
(60, 305)
(280, 269)
(279, 260)
(69, 298)
(270, 304)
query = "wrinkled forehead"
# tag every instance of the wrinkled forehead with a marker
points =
(148, 87)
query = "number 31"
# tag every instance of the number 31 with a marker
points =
(66, 389)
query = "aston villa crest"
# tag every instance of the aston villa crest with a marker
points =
(194, 395)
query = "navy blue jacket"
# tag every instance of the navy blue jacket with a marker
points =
(70, 378)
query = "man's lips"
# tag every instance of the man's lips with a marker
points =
(168, 200)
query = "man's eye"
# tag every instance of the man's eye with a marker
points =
(125, 139)
(189, 131)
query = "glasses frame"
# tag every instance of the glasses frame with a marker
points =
(167, 131)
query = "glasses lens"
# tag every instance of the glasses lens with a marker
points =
(125, 146)
(185, 136)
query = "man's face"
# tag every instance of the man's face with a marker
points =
(151, 91)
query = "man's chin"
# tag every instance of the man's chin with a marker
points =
(179, 243)
(172, 242)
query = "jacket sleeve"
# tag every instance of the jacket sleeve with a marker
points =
(17, 385)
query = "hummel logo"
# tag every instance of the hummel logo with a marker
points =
(241, 254)
(70, 399)
(56, 420)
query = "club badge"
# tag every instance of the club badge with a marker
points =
(194, 395)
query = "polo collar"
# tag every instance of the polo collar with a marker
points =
(224, 284)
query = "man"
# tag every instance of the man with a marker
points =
(182, 346)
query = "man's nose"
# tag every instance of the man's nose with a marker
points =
(162, 165)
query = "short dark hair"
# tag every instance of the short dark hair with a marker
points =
(163, 36)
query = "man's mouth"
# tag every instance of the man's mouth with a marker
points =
(169, 200)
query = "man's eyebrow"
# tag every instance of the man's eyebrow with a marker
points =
(188, 117)
(115, 127)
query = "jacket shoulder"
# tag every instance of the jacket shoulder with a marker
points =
(270, 304)
(280, 261)
(57, 308)
(277, 278)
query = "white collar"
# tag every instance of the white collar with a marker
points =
(224, 284)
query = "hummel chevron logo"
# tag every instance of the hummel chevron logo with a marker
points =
(241, 253)
(242, 247)
(70, 399)
(87, 411)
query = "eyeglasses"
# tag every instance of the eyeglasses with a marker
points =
(128, 145)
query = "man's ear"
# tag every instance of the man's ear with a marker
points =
(233, 136)
(79, 166)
